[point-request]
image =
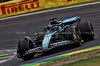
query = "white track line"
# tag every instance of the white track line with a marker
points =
(8, 50)
(50, 10)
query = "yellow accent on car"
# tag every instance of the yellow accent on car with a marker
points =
(91, 29)
(27, 42)
(80, 43)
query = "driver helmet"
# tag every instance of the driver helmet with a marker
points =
(54, 28)
(54, 22)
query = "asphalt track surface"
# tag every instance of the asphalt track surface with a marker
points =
(11, 30)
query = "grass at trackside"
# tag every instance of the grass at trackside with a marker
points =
(75, 57)
(93, 61)
(56, 7)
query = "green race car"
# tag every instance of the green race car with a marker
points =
(56, 34)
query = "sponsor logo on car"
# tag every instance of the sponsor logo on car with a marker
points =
(60, 43)
(33, 50)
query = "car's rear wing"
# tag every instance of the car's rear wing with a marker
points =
(71, 20)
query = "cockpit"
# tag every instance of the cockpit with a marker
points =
(51, 28)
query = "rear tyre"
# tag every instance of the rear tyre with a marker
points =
(69, 33)
(73, 34)
(77, 36)
(87, 31)
(24, 45)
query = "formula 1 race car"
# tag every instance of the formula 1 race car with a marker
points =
(56, 34)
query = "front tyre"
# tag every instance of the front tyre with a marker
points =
(24, 45)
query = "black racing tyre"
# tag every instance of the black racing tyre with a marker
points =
(72, 33)
(69, 33)
(87, 31)
(24, 45)
(28, 57)
(77, 36)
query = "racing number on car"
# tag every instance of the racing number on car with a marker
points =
(70, 0)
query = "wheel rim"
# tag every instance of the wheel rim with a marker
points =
(77, 36)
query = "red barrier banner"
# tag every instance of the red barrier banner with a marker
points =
(19, 6)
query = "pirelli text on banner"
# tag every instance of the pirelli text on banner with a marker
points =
(19, 6)
(15, 7)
